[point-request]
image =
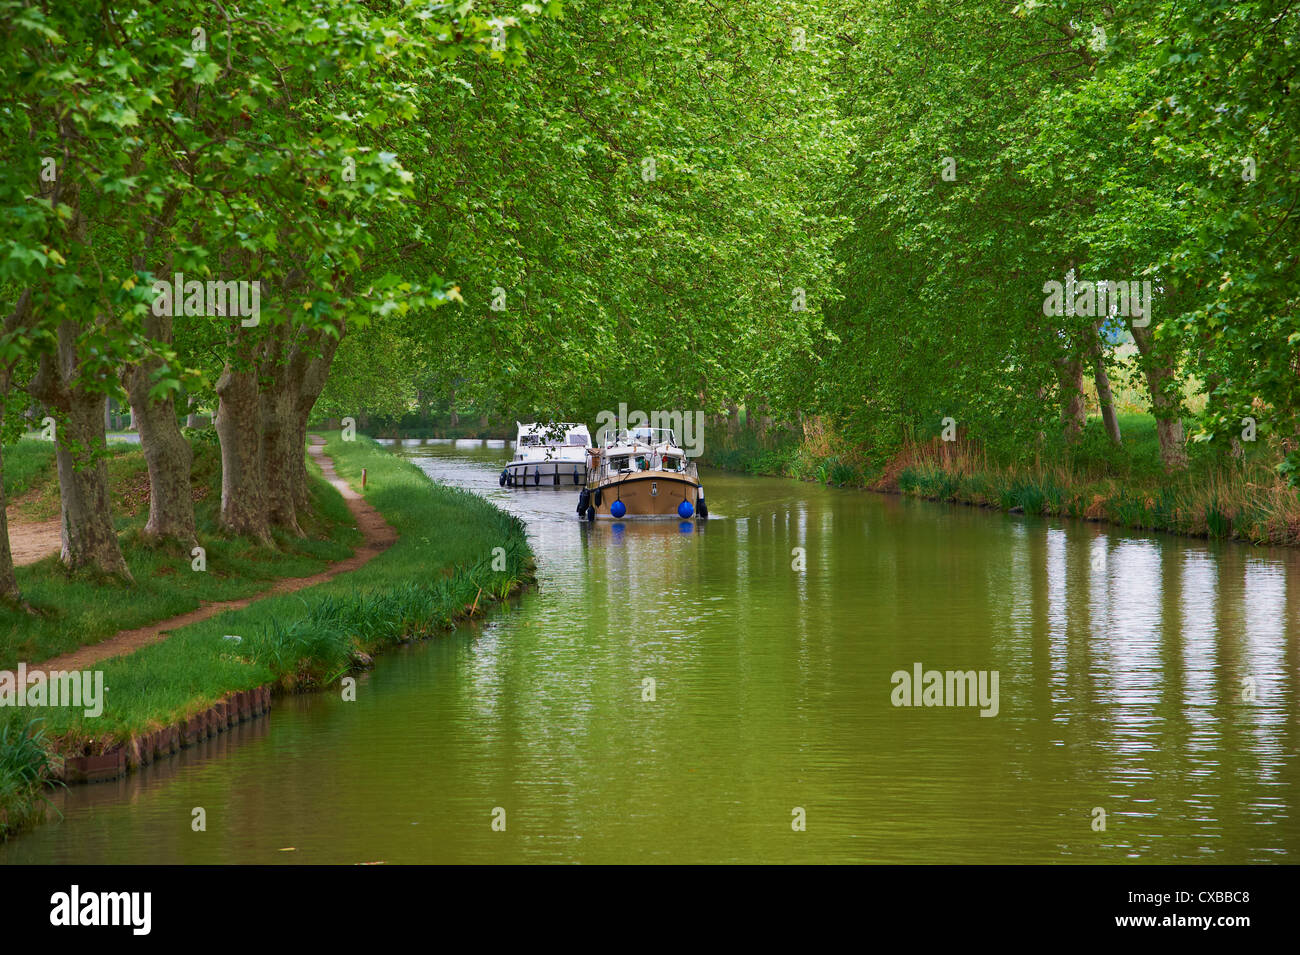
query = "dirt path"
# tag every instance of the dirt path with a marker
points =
(378, 537)
(31, 542)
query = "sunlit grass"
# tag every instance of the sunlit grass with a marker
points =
(28, 462)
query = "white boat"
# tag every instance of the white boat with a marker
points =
(552, 454)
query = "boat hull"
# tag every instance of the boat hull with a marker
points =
(545, 473)
(654, 495)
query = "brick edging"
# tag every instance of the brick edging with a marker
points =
(141, 750)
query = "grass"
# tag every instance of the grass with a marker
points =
(29, 463)
(68, 611)
(442, 569)
(1248, 502)
(24, 767)
(1244, 501)
(1091, 479)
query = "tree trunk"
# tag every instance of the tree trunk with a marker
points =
(757, 417)
(239, 428)
(310, 385)
(1074, 412)
(286, 410)
(299, 487)
(8, 582)
(169, 459)
(1166, 405)
(453, 418)
(166, 452)
(278, 456)
(1105, 397)
(89, 539)
(279, 425)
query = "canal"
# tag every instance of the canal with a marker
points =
(691, 693)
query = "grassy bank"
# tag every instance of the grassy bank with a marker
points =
(1091, 479)
(66, 611)
(29, 463)
(440, 570)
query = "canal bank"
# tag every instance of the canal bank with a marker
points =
(456, 555)
(1244, 500)
(675, 694)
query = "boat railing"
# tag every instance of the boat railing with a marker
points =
(605, 469)
(646, 437)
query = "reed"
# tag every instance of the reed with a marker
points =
(24, 769)
(1091, 479)
(1248, 502)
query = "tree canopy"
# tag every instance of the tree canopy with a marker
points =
(848, 210)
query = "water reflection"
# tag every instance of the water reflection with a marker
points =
(673, 690)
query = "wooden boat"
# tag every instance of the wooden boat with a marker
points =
(638, 474)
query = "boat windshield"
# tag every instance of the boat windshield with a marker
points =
(650, 436)
(553, 436)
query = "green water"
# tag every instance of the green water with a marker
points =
(1122, 660)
